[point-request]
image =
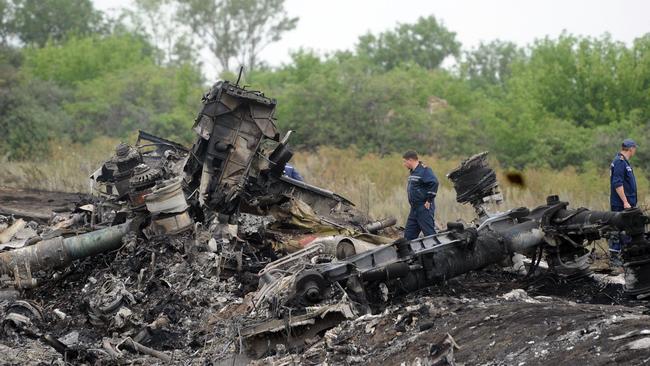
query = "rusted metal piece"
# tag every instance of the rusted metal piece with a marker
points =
(141, 184)
(375, 226)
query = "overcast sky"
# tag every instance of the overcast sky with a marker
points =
(328, 25)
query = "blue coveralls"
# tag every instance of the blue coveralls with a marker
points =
(422, 187)
(621, 175)
(291, 172)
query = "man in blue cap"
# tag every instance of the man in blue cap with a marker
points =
(422, 188)
(623, 188)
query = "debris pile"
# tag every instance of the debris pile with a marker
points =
(211, 255)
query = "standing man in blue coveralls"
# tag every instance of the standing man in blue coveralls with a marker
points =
(422, 188)
(623, 189)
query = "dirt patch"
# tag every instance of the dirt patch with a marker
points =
(36, 204)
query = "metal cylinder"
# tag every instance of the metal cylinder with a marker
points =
(59, 252)
(96, 242)
(627, 220)
(451, 261)
(382, 224)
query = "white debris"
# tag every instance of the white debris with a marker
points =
(61, 315)
(122, 316)
(518, 295)
(642, 343)
(70, 339)
(631, 334)
(607, 279)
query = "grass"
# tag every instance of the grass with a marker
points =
(378, 184)
(66, 169)
(375, 183)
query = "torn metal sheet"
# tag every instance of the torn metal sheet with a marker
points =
(229, 139)
(7, 234)
(266, 336)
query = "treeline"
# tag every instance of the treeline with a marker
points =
(556, 103)
(565, 101)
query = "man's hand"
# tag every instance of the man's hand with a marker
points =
(427, 205)
(621, 195)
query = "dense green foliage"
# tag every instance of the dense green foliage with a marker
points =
(558, 102)
(38, 21)
(89, 87)
(565, 101)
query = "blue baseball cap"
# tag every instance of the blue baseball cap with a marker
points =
(628, 143)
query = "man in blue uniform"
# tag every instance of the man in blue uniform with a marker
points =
(422, 188)
(291, 172)
(623, 187)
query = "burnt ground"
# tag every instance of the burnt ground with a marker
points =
(494, 321)
(173, 299)
(36, 204)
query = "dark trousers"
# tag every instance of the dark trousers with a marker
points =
(616, 243)
(420, 220)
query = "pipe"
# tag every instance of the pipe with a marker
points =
(382, 224)
(630, 220)
(453, 260)
(60, 252)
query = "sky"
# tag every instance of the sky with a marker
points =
(328, 25)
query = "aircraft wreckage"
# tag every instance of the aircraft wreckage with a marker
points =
(314, 258)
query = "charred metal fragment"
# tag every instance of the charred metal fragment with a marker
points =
(231, 127)
(141, 184)
(475, 183)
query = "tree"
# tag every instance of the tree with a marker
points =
(237, 29)
(37, 21)
(80, 59)
(491, 63)
(30, 109)
(6, 21)
(427, 43)
(157, 19)
(160, 100)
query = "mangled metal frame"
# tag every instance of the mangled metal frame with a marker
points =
(369, 278)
